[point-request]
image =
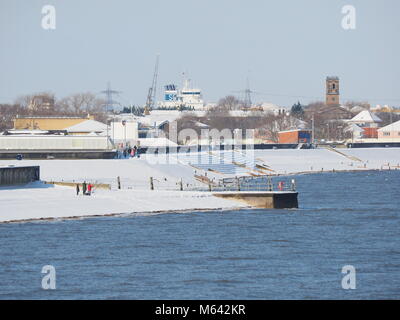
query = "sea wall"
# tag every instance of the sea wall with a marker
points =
(263, 199)
(19, 175)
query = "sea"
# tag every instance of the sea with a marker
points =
(342, 243)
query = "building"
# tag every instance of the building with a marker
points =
(390, 132)
(88, 127)
(355, 131)
(47, 123)
(273, 108)
(295, 136)
(366, 118)
(41, 102)
(368, 122)
(332, 91)
(39, 142)
(124, 132)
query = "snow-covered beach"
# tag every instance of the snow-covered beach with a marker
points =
(40, 201)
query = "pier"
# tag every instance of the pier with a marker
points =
(263, 199)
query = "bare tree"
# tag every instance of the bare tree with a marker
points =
(81, 103)
(363, 104)
(229, 103)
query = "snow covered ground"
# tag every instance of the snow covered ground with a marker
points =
(294, 161)
(38, 201)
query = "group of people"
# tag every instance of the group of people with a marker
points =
(128, 152)
(87, 189)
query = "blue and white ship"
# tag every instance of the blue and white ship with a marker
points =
(186, 97)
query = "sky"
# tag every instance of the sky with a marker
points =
(284, 48)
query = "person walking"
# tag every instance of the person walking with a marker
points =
(77, 189)
(89, 192)
(84, 188)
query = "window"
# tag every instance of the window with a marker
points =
(386, 133)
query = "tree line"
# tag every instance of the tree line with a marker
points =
(47, 104)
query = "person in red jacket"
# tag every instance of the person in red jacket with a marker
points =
(89, 189)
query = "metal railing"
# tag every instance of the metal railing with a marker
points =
(261, 183)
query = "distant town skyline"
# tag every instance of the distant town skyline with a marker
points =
(285, 48)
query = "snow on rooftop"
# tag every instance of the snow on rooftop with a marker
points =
(353, 128)
(366, 117)
(391, 127)
(88, 126)
(156, 142)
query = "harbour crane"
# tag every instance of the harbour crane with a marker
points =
(151, 96)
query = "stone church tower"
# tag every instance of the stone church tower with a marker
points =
(332, 91)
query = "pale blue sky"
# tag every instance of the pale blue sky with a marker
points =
(285, 47)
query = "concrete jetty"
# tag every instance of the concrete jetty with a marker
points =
(12, 175)
(263, 199)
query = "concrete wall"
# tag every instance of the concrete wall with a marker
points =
(81, 154)
(19, 175)
(260, 199)
(389, 134)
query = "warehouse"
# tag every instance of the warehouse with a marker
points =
(54, 142)
(295, 136)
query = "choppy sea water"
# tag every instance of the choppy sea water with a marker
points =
(344, 219)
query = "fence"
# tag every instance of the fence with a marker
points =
(246, 183)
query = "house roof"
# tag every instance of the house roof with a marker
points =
(353, 128)
(88, 126)
(395, 126)
(366, 117)
(156, 142)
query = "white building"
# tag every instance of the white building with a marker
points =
(390, 132)
(273, 108)
(366, 118)
(24, 142)
(124, 132)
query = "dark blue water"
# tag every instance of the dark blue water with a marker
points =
(345, 219)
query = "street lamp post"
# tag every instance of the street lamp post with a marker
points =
(124, 124)
(327, 131)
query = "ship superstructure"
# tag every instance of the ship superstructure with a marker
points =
(187, 97)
